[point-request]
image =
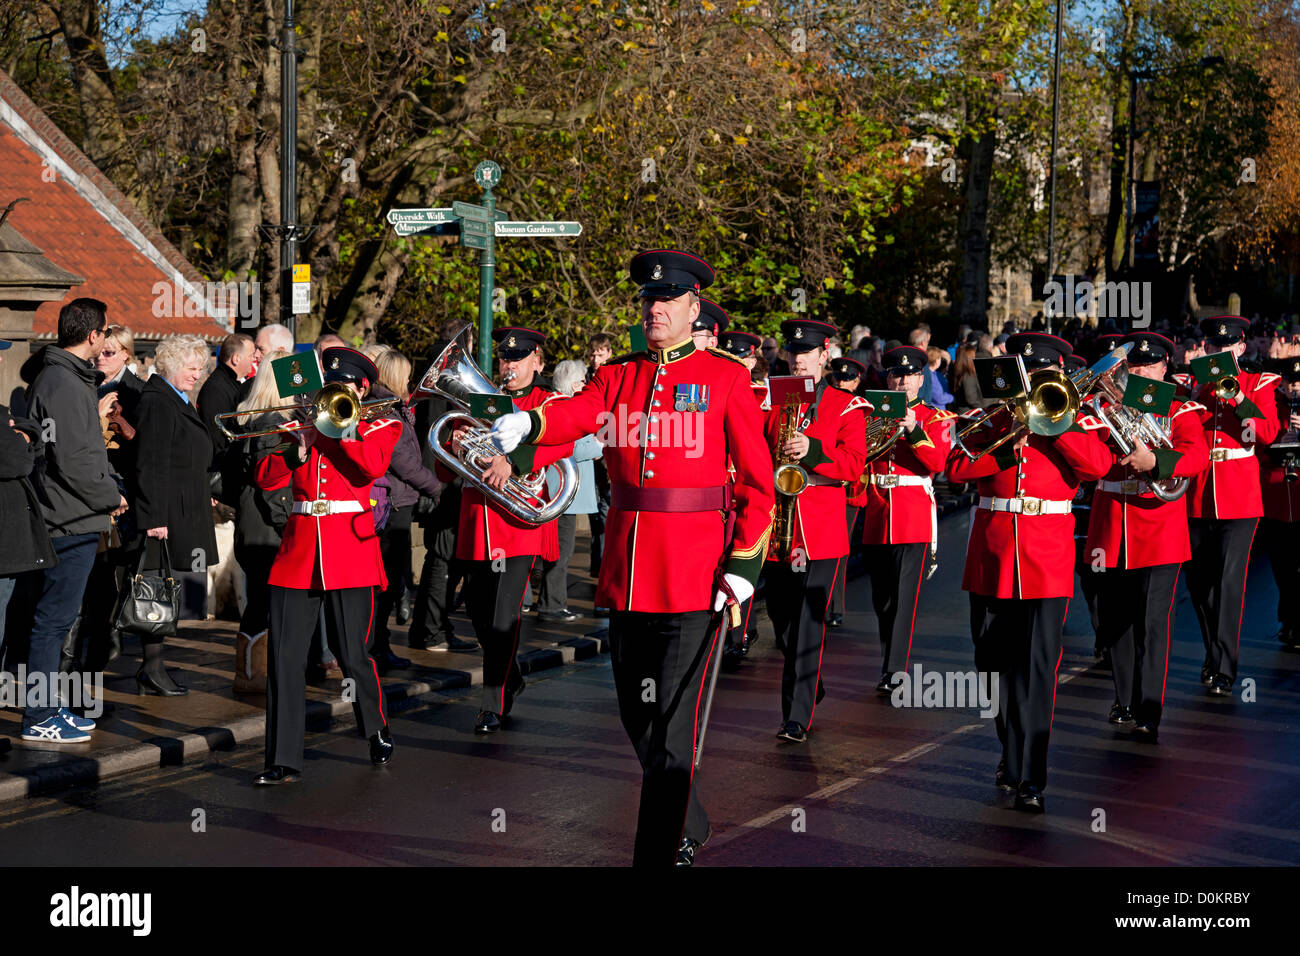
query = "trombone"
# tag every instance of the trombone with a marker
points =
(334, 411)
(1049, 408)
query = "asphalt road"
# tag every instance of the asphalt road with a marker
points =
(874, 785)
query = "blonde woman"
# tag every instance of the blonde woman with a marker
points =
(260, 517)
(173, 497)
(406, 479)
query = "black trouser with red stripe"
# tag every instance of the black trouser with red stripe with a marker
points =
(896, 572)
(661, 669)
(1282, 541)
(494, 596)
(796, 603)
(1136, 611)
(1021, 640)
(1216, 580)
(294, 613)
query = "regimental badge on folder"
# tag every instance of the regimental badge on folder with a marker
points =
(1001, 377)
(1149, 395)
(1210, 368)
(887, 404)
(298, 374)
(781, 386)
(489, 408)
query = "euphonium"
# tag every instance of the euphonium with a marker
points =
(1128, 427)
(455, 377)
(790, 480)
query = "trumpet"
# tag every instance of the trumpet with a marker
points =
(334, 411)
(1049, 408)
(1128, 427)
(455, 377)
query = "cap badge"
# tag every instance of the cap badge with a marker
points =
(798, 331)
(1295, 367)
(1029, 348)
(335, 363)
(1223, 329)
(510, 342)
(658, 272)
(1144, 346)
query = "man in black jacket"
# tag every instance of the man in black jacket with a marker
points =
(78, 491)
(222, 391)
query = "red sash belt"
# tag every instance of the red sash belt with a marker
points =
(631, 498)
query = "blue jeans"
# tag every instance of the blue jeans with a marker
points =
(62, 588)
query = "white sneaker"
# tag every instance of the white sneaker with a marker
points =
(55, 730)
(81, 723)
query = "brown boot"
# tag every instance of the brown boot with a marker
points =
(250, 663)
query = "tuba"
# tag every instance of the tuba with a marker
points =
(789, 479)
(455, 377)
(1128, 427)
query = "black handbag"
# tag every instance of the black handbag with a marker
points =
(149, 603)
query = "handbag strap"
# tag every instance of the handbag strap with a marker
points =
(165, 570)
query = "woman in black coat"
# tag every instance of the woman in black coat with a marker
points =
(173, 495)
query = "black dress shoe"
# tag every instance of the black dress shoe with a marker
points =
(1029, 798)
(388, 661)
(835, 620)
(686, 852)
(732, 655)
(146, 683)
(404, 608)
(1121, 716)
(1207, 675)
(381, 747)
(276, 775)
(558, 617)
(487, 722)
(454, 643)
(1003, 779)
(1221, 686)
(793, 732)
(886, 687)
(1145, 732)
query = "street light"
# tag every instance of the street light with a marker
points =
(1051, 175)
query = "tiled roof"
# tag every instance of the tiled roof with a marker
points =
(82, 222)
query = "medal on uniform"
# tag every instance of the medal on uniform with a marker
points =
(691, 398)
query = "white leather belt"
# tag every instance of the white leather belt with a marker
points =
(1130, 487)
(902, 481)
(1026, 506)
(1228, 454)
(318, 509)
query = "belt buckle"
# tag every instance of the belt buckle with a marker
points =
(320, 508)
(1129, 487)
(887, 481)
(1218, 454)
(1031, 506)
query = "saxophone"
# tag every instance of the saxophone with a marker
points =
(790, 480)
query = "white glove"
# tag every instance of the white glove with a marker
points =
(742, 588)
(509, 430)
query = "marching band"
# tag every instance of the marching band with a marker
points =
(719, 476)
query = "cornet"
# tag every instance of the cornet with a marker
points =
(455, 377)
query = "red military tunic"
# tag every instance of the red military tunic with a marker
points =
(1281, 497)
(1135, 529)
(1029, 556)
(904, 514)
(665, 561)
(332, 550)
(1229, 488)
(485, 531)
(837, 448)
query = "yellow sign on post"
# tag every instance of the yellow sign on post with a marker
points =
(302, 272)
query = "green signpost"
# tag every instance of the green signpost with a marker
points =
(478, 227)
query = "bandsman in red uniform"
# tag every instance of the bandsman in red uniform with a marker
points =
(711, 323)
(744, 346)
(671, 419)
(846, 374)
(1225, 502)
(830, 446)
(1136, 547)
(1020, 571)
(1280, 481)
(498, 549)
(900, 524)
(329, 557)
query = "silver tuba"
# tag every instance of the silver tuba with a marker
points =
(1128, 426)
(455, 376)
